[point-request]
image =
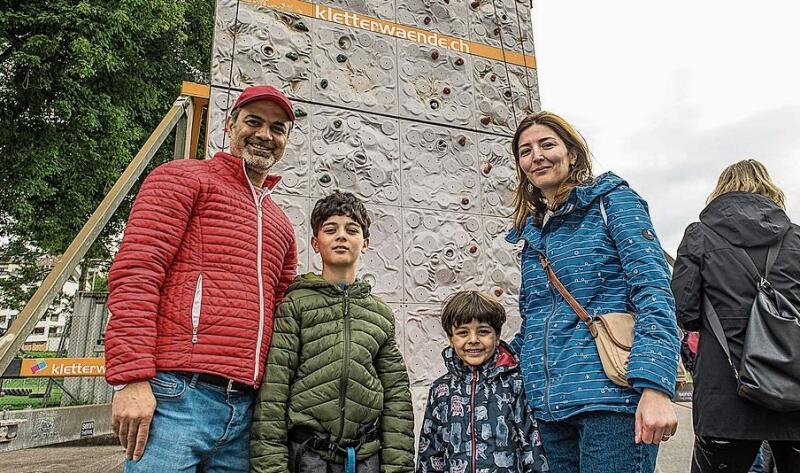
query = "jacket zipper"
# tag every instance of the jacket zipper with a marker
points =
(546, 329)
(196, 306)
(346, 361)
(474, 442)
(258, 198)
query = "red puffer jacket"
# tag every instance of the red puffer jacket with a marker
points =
(196, 279)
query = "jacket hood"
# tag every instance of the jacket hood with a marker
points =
(503, 360)
(580, 197)
(746, 219)
(314, 281)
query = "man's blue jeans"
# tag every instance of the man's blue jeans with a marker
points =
(196, 424)
(596, 442)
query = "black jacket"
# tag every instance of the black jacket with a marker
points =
(706, 264)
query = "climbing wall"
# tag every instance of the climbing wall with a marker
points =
(410, 105)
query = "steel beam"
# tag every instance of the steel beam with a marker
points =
(37, 306)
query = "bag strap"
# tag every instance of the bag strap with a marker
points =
(719, 333)
(772, 255)
(567, 296)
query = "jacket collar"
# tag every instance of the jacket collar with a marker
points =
(236, 167)
(358, 289)
(581, 197)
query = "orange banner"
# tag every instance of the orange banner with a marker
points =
(62, 367)
(377, 25)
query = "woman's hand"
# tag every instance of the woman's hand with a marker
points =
(656, 420)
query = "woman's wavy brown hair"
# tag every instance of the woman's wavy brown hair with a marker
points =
(748, 175)
(528, 199)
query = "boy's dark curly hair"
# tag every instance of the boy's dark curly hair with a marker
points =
(340, 203)
(465, 306)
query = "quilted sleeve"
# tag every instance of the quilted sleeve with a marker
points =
(288, 270)
(687, 280)
(269, 444)
(158, 220)
(397, 423)
(656, 345)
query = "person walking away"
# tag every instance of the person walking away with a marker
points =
(745, 212)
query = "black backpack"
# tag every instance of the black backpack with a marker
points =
(769, 374)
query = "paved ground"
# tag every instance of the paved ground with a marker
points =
(674, 457)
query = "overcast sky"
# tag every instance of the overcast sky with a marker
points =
(669, 93)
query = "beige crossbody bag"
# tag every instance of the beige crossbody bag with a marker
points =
(612, 333)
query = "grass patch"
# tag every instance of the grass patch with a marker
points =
(36, 385)
(38, 354)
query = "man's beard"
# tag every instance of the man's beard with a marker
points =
(263, 158)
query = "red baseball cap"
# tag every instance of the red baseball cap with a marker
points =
(255, 93)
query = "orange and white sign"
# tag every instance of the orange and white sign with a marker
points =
(62, 367)
(377, 25)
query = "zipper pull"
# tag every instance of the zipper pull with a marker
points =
(194, 335)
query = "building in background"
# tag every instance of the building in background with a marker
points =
(47, 333)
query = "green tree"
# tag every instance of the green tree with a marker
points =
(82, 85)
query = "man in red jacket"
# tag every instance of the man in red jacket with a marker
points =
(206, 257)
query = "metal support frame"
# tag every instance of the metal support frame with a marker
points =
(37, 306)
(200, 95)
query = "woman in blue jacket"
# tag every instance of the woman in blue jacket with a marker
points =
(597, 234)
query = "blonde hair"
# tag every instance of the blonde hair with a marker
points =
(528, 199)
(748, 175)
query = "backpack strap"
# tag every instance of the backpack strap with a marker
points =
(772, 255)
(719, 333)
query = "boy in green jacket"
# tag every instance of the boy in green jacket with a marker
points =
(335, 396)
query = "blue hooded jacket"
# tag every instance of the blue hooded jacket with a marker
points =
(611, 263)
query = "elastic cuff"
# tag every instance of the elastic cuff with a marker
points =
(642, 384)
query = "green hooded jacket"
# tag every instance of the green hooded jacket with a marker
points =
(333, 367)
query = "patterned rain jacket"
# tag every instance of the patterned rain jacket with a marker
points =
(477, 420)
(610, 260)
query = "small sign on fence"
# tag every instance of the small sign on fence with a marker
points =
(87, 428)
(62, 367)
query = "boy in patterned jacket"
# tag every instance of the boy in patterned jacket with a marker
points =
(477, 418)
